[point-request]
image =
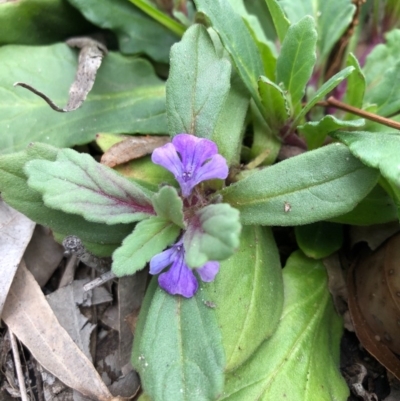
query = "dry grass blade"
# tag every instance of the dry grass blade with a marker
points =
(15, 233)
(29, 316)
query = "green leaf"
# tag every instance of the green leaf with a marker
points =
(146, 173)
(198, 84)
(212, 234)
(177, 349)
(20, 22)
(327, 87)
(315, 132)
(279, 18)
(376, 150)
(149, 238)
(76, 183)
(229, 128)
(376, 208)
(237, 41)
(147, 7)
(355, 90)
(248, 313)
(332, 17)
(301, 360)
(382, 58)
(136, 32)
(169, 205)
(126, 97)
(265, 142)
(14, 189)
(319, 240)
(386, 94)
(297, 58)
(314, 186)
(275, 102)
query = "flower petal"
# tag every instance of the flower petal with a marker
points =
(194, 151)
(216, 167)
(162, 260)
(167, 157)
(179, 280)
(208, 272)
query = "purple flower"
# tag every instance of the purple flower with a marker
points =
(191, 160)
(180, 279)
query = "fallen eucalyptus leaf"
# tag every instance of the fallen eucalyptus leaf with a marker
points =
(15, 233)
(27, 313)
(90, 58)
(132, 148)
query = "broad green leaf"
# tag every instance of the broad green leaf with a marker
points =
(75, 183)
(300, 362)
(296, 60)
(198, 84)
(174, 26)
(149, 238)
(146, 173)
(279, 18)
(376, 208)
(259, 8)
(136, 32)
(319, 240)
(237, 41)
(376, 150)
(248, 313)
(252, 21)
(332, 17)
(315, 132)
(39, 22)
(178, 349)
(101, 239)
(381, 57)
(126, 97)
(169, 205)
(265, 142)
(386, 94)
(268, 59)
(327, 87)
(275, 102)
(229, 128)
(355, 90)
(212, 234)
(314, 186)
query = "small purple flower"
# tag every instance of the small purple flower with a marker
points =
(180, 279)
(191, 160)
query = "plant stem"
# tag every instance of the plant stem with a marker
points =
(333, 102)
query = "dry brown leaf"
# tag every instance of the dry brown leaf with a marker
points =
(15, 233)
(374, 235)
(43, 255)
(30, 317)
(131, 291)
(132, 148)
(90, 58)
(368, 338)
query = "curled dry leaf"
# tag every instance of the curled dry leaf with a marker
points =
(90, 58)
(29, 316)
(132, 148)
(374, 303)
(15, 233)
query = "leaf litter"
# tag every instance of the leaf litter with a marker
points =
(75, 354)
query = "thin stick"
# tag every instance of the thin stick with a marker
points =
(333, 102)
(18, 367)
